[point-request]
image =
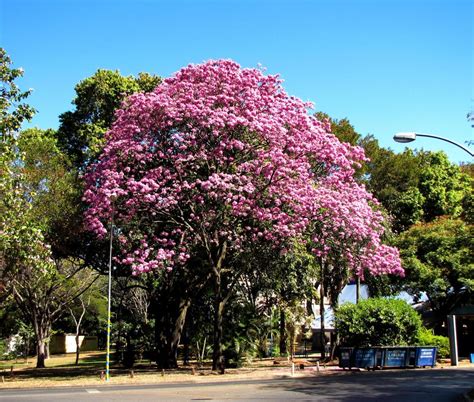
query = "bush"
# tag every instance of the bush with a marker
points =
(427, 338)
(377, 322)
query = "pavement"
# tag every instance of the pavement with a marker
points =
(329, 384)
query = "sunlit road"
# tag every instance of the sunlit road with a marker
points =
(403, 385)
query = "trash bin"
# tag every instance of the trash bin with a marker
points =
(395, 357)
(365, 357)
(345, 357)
(472, 357)
(411, 358)
(379, 353)
(425, 356)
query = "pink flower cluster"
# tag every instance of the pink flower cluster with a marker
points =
(219, 154)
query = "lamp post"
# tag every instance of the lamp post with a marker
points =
(109, 301)
(411, 136)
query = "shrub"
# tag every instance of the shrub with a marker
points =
(377, 322)
(427, 338)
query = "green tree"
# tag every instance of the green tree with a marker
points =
(342, 128)
(12, 114)
(42, 283)
(53, 188)
(13, 111)
(443, 187)
(81, 131)
(439, 263)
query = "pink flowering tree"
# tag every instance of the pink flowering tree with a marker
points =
(215, 159)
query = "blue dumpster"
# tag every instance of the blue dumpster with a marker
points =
(396, 357)
(425, 356)
(411, 359)
(365, 357)
(345, 357)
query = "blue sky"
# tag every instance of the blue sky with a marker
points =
(387, 65)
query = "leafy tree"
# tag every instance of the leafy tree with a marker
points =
(377, 322)
(342, 128)
(39, 285)
(90, 303)
(443, 186)
(81, 132)
(438, 262)
(13, 112)
(53, 188)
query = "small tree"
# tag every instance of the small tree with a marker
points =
(377, 322)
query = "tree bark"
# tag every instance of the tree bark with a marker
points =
(41, 353)
(42, 331)
(168, 329)
(321, 312)
(78, 347)
(217, 355)
(283, 338)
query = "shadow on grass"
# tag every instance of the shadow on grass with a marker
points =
(89, 366)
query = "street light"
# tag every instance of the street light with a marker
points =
(109, 300)
(409, 137)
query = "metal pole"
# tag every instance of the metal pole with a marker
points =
(358, 290)
(447, 140)
(453, 342)
(109, 324)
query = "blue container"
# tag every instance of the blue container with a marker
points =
(396, 357)
(345, 357)
(411, 359)
(472, 357)
(425, 356)
(365, 358)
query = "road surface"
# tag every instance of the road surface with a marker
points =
(387, 386)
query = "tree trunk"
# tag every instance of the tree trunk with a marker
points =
(42, 331)
(41, 353)
(186, 348)
(217, 355)
(323, 326)
(78, 347)
(168, 329)
(46, 350)
(283, 350)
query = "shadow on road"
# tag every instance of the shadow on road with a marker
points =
(406, 385)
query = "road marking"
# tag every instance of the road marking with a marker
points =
(93, 391)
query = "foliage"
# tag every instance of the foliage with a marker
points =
(443, 186)
(377, 322)
(427, 338)
(13, 112)
(417, 186)
(52, 188)
(438, 262)
(81, 132)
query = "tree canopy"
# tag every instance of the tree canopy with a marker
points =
(81, 131)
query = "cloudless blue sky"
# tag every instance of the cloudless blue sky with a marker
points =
(387, 65)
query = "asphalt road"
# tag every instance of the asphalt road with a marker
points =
(404, 385)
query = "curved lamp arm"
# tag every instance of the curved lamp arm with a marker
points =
(409, 137)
